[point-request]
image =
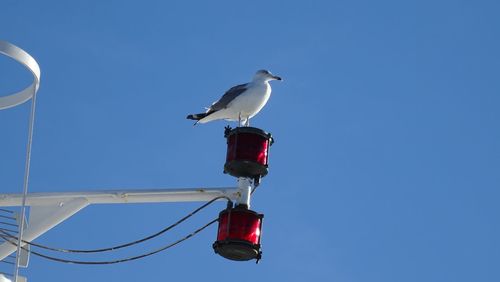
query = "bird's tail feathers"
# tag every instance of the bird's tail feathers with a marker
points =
(197, 116)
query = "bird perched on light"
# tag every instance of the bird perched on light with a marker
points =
(241, 102)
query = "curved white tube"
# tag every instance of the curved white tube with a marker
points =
(24, 58)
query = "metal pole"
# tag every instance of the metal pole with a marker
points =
(245, 186)
(13, 100)
(25, 184)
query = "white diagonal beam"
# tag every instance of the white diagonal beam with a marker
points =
(123, 196)
(50, 209)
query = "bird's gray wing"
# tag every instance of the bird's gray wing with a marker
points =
(228, 97)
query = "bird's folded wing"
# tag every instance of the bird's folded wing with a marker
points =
(228, 97)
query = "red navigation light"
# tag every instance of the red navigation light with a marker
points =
(247, 152)
(238, 236)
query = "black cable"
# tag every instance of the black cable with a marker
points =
(9, 224)
(256, 184)
(10, 230)
(119, 260)
(7, 217)
(126, 244)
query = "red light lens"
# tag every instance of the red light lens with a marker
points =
(247, 152)
(239, 224)
(247, 146)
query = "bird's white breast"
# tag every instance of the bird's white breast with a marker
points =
(252, 100)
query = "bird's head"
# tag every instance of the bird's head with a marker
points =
(265, 75)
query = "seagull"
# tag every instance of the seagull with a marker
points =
(241, 102)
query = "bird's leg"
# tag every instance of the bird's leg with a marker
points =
(247, 122)
(239, 119)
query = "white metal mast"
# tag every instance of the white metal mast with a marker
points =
(50, 209)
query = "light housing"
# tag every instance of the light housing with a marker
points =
(247, 152)
(239, 234)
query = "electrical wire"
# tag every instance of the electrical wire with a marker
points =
(256, 184)
(122, 245)
(9, 224)
(118, 260)
(10, 230)
(7, 217)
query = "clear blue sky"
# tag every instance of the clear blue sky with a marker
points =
(387, 155)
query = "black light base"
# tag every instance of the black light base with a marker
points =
(237, 250)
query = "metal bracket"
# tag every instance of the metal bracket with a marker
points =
(50, 209)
